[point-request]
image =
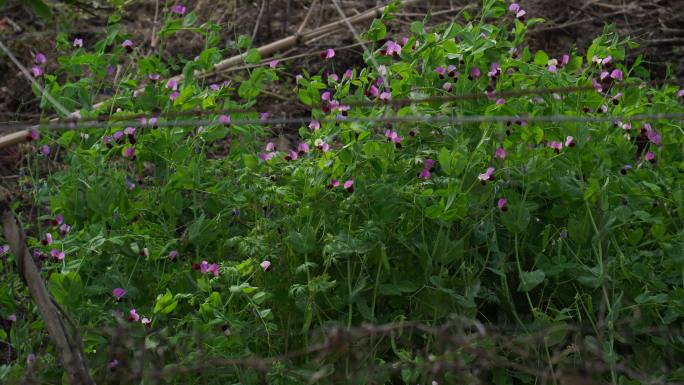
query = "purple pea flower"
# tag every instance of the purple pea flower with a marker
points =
(118, 293)
(386, 96)
(393, 48)
(315, 125)
(502, 204)
(30, 359)
(64, 229)
(553, 69)
(325, 96)
(569, 141)
(495, 71)
(111, 365)
(448, 87)
(172, 84)
(681, 93)
(4, 249)
(12, 318)
(500, 153)
(154, 77)
(302, 149)
(174, 95)
(617, 75)
(173, 255)
(45, 150)
(333, 78)
(557, 146)
(213, 268)
(291, 155)
(273, 63)
(321, 145)
(129, 152)
(349, 73)
(78, 43)
(40, 58)
(37, 71)
(441, 71)
(59, 219)
(475, 73)
(178, 9)
(565, 59)
(47, 240)
(128, 45)
(117, 136)
(265, 266)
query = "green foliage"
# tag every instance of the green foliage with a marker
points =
(580, 238)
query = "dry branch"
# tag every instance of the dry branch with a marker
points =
(67, 344)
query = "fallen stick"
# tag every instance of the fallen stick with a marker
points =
(266, 50)
(68, 345)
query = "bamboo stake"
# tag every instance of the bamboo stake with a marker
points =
(68, 345)
(264, 51)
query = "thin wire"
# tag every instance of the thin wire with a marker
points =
(362, 103)
(32, 80)
(460, 120)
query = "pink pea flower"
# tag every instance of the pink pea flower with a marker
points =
(133, 316)
(111, 70)
(321, 145)
(4, 249)
(224, 119)
(604, 76)
(178, 9)
(349, 185)
(129, 152)
(117, 136)
(569, 141)
(333, 183)
(441, 72)
(515, 7)
(333, 78)
(78, 43)
(597, 86)
(654, 137)
(174, 95)
(500, 153)
(565, 59)
(502, 204)
(328, 54)
(451, 70)
(128, 45)
(681, 93)
(213, 268)
(154, 77)
(45, 150)
(40, 58)
(266, 156)
(270, 146)
(475, 73)
(265, 266)
(404, 40)
(607, 60)
(325, 96)
(30, 359)
(113, 364)
(47, 240)
(173, 255)
(348, 73)
(393, 48)
(553, 69)
(37, 71)
(558, 146)
(448, 87)
(424, 174)
(501, 101)
(315, 125)
(57, 255)
(118, 293)
(487, 175)
(302, 149)
(386, 96)
(273, 63)
(146, 322)
(428, 164)
(616, 98)
(291, 155)
(264, 116)
(650, 156)
(12, 318)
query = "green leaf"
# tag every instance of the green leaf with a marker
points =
(244, 42)
(530, 279)
(165, 304)
(516, 218)
(541, 58)
(40, 8)
(377, 30)
(253, 56)
(189, 19)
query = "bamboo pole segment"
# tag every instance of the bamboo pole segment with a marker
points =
(266, 50)
(68, 344)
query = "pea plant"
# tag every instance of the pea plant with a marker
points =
(457, 174)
